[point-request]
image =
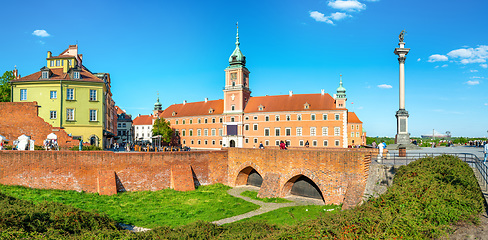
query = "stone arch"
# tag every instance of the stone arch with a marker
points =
(232, 143)
(304, 186)
(249, 175)
(94, 140)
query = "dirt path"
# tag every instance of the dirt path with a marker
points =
(265, 207)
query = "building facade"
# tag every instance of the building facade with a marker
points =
(240, 120)
(70, 97)
(124, 127)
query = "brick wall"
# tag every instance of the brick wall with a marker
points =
(17, 118)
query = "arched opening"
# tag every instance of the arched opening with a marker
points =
(232, 143)
(301, 185)
(249, 176)
(93, 140)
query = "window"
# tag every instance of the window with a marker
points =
(51, 63)
(288, 117)
(357, 127)
(299, 131)
(205, 132)
(277, 118)
(255, 140)
(288, 131)
(337, 143)
(192, 142)
(69, 62)
(301, 143)
(205, 142)
(93, 115)
(255, 127)
(183, 132)
(191, 133)
(45, 74)
(119, 125)
(199, 142)
(220, 142)
(213, 120)
(213, 131)
(205, 120)
(232, 119)
(233, 107)
(246, 118)
(221, 133)
(352, 134)
(220, 120)
(246, 127)
(312, 117)
(288, 143)
(57, 63)
(191, 121)
(70, 114)
(184, 121)
(277, 132)
(123, 125)
(352, 127)
(53, 94)
(337, 117)
(324, 117)
(53, 114)
(93, 95)
(266, 132)
(325, 131)
(255, 117)
(23, 94)
(266, 118)
(247, 140)
(337, 131)
(184, 142)
(62, 62)
(199, 132)
(299, 117)
(199, 120)
(213, 142)
(313, 131)
(266, 142)
(76, 75)
(277, 142)
(314, 143)
(357, 134)
(70, 94)
(176, 121)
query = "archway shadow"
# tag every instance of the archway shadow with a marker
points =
(303, 186)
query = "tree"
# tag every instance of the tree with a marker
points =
(5, 86)
(163, 128)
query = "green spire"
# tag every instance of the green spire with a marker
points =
(237, 59)
(158, 105)
(341, 91)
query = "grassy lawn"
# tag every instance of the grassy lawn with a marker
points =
(295, 214)
(254, 195)
(148, 208)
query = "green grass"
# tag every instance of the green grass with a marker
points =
(146, 208)
(254, 195)
(295, 214)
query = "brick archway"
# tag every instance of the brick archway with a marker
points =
(288, 186)
(290, 179)
(243, 174)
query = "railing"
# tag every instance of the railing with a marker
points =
(472, 160)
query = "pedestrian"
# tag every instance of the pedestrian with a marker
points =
(307, 144)
(486, 151)
(282, 145)
(381, 146)
(374, 145)
(261, 145)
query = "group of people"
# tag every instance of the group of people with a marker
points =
(50, 144)
(381, 147)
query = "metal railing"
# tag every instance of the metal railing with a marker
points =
(471, 159)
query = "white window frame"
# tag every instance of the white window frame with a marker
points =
(299, 131)
(57, 63)
(287, 130)
(277, 142)
(277, 118)
(255, 117)
(325, 131)
(337, 143)
(23, 94)
(76, 75)
(268, 131)
(299, 117)
(313, 131)
(183, 132)
(266, 118)
(53, 114)
(93, 95)
(255, 127)
(326, 143)
(205, 132)
(312, 117)
(300, 143)
(45, 75)
(324, 117)
(213, 131)
(255, 140)
(337, 117)
(221, 133)
(199, 132)
(246, 127)
(53, 94)
(70, 114)
(277, 130)
(357, 134)
(93, 115)
(288, 117)
(70, 94)
(51, 63)
(314, 143)
(337, 131)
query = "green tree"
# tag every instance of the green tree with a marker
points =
(5, 86)
(163, 128)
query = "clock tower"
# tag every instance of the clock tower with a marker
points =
(236, 96)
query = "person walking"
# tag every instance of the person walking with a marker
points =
(374, 145)
(261, 145)
(307, 144)
(380, 147)
(486, 151)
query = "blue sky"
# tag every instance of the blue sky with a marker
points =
(181, 48)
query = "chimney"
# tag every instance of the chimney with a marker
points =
(49, 54)
(184, 102)
(322, 91)
(206, 99)
(290, 93)
(16, 72)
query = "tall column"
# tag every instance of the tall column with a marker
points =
(402, 136)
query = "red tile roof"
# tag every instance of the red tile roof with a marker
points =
(296, 102)
(194, 109)
(58, 74)
(353, 118)
(143, 120)
(119, 111)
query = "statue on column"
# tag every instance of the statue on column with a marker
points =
(401, 36)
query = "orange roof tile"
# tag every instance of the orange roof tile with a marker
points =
(58, 74)
(352, 118)
(143, 120)
(194, 109)
(296, 102)
(119, 111)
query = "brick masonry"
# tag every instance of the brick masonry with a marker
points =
(31, 125)
(339, 173)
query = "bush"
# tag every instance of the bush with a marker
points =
(86, 148)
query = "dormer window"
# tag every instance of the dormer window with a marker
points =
(45, 72)
(306, 106)
(173, 114)
(45, 75)
(261, 108)
(210, 110)
(76, 75)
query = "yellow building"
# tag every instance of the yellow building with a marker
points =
(71, 97)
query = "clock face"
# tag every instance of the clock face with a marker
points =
(233, 76)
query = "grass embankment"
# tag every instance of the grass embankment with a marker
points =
(146, 208)
(427, 197)
(254, 195)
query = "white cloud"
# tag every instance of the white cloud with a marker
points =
(470, 55)
(473, 70)
(320, 17)
(486, 104)
(347, 5)
(385, 86)
(437, 58)
(474, 77)
(445, 65)
(462, 53)
(436, 66)
(484, 65)
(476, 82)
(40, 33)
(418, 60)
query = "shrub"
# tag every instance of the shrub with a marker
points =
(86, 148)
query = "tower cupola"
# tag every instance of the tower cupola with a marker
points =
(158, 105)
(237, 59)
(341, 91)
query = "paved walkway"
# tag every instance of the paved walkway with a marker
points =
(264, 207)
